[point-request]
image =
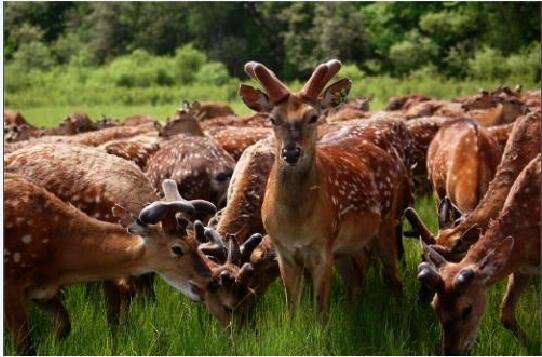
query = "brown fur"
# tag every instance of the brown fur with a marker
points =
(49, 244)
(236, 139)
(511, 245)
(199, 166)
(330, 203)
(461, 161)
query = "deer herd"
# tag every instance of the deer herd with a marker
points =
(219, 206)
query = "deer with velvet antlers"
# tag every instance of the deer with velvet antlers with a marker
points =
(324, 203)
(49, 244)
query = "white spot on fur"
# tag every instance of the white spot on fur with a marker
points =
(27, 238)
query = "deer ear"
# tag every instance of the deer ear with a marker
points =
(255, 99)
(126, 220)
(336, 93)
(496, 258)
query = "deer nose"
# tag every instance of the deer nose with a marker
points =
(291, 154)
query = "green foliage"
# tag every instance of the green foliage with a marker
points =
(187, 62)
(353, 72)
(33, 55)
(412, 53)
(525, 66)
(212, 73)
(382, 38)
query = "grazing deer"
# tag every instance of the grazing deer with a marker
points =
(95, 138)
(210, 110)
(94, 182)
(509, 247)
(522, 146)
(322, 202)
(236, 139)
(199, 166)
(241, 275)
(406, 102)
(50, 244)
(137, 149)
(422, 132)
(461, 161)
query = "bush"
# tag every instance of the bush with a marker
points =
(187, 62)
(65, 47)
(140, 69)
(353, 72)
(524, 67)
(487, 64)
(212, 73)
(414, 52)
(33, 55)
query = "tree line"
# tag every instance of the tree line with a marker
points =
(392, 38)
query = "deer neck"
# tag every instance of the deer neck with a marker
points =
(105, 251)
(293, 184)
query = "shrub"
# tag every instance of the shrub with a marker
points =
(33, 55)
(67, 46)
(212, 73)
(353, 72)
(140, 69)
(487, 64)
(187, 62)
(524, 67)
(414, 52)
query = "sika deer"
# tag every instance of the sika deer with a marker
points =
(322, 202)
(50, 244)
(94, 182)
(200, 168)
(522, 146)
(509, 247)
(461, 161)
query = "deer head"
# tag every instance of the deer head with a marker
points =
(452, 243)
(460, 292)
(170, 249)
(294, 115)
(231, 294)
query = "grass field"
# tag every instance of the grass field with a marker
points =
(374, 325)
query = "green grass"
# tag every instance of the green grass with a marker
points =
(374, 325)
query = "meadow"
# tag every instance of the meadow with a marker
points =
(172, 325)
(372, 325)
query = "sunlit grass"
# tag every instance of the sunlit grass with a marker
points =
(373, 325)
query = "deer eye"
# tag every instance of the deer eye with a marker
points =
(273, 120)
(466, 312)
(313, 119)
(177, 251)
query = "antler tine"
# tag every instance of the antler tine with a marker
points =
(267, 78)
(320, 76)
(171, 193)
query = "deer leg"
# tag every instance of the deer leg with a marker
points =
(352, 270)
(292, 278)
(321, 279)
(387, 251)
(144, 286)
(56, 309)
(127, 290)
(17, 320)
(113, 302)
(517, 283)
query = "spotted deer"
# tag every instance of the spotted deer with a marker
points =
(199, 166)
(322, 203)
(522, 146)
(236, 139)
(245, 262)
(94, 139)
(92, 181)
(509, 247)
(50, 244)
(461, 161)
(137, 149)
(422, 131)
(454, 241)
